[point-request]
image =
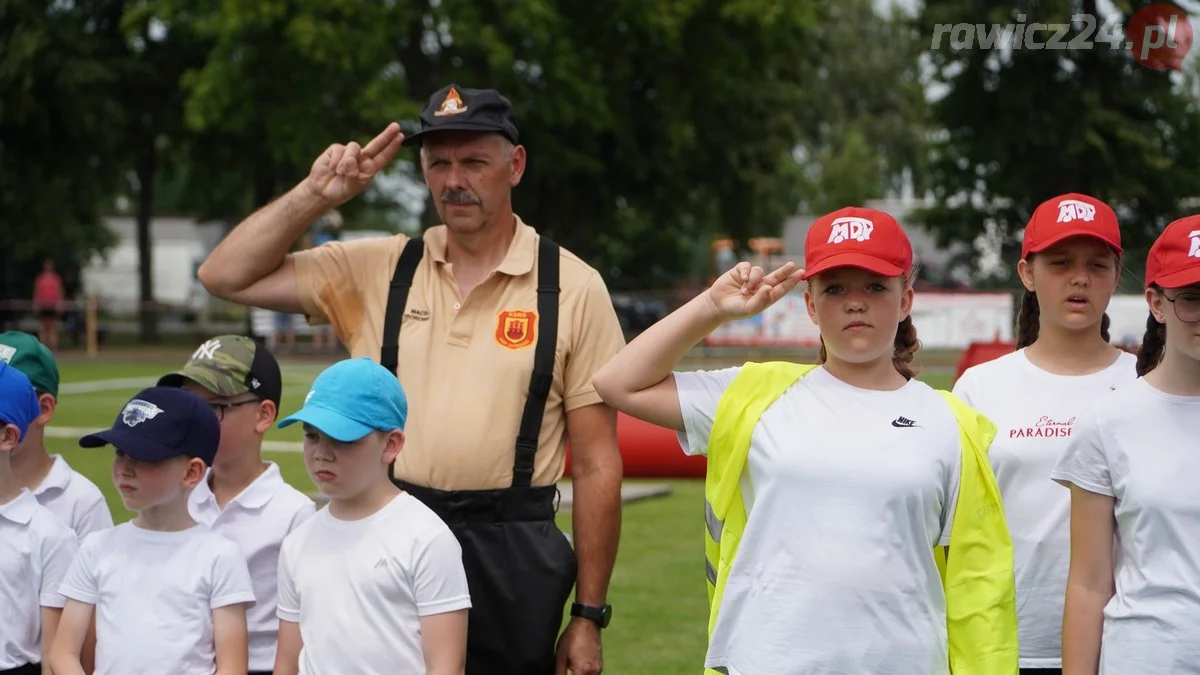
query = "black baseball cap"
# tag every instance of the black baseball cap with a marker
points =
(161, 423)
(455, 108)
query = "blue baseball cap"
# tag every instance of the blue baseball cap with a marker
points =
(352, 398)
(161, 423)
(18, 401)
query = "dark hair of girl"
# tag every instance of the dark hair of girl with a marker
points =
(1150, 353)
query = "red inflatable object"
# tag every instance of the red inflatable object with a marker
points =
(651, 451)
(982, 352)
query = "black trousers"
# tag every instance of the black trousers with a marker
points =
(27, 669)
(1041, 671)
(520, 571)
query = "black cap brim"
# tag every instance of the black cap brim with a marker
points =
(415, 138)
(136, 446)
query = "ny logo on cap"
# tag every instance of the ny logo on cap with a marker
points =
(207, 350)
(6, 353)
(138, 411)
(1071, 209)
(858, 229)
(1194, 248)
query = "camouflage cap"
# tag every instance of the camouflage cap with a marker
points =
(229, 365)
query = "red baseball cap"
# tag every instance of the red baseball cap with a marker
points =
(857, 237)
(1174, 259)
(1070, 215)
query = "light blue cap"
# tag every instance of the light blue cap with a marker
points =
(352, 398)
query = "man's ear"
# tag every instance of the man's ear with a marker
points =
(395, 443)
(48, 405)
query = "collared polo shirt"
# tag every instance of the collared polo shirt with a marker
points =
(73, 499)
(36, 550)
(465, 362)
(257, 520)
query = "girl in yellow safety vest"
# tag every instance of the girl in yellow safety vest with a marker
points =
(1070, 261)
(850, 479)
(1133, 467)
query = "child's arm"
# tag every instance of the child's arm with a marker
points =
(71, 630)
(1089, 581)
(50, 617)
(444, 641)
(287, 653)
(230, 639)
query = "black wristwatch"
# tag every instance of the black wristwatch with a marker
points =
(601, 615)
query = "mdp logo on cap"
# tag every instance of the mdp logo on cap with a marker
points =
(1159, 36)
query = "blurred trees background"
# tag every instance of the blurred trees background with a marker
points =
(652, 127)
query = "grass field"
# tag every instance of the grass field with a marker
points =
(657, 589)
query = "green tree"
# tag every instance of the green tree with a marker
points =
(59, 150)
(1019, 126)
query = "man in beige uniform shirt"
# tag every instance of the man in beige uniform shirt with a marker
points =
(497, 359)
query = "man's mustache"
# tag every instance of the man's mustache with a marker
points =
(460, 198)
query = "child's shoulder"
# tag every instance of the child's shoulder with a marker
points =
(288, 499)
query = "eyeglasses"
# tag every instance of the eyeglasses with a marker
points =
(1187, 306)
(220, 408)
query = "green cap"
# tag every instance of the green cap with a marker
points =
(228, 365)
(28, 355)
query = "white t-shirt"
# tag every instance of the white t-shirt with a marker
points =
(1035, 413)
(74, 499)
(35, 552)
(154, 594)
(848, 491)
(1141, 446)
(257, 520)
(359, 588)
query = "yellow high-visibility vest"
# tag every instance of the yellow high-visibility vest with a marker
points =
(981, 610)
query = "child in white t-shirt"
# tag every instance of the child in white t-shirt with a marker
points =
(1071, 256)
(1132, 468)
(374, 583)
(169, 595)
(851, 481)
(243, 497)
(35, 547)
(69, 495)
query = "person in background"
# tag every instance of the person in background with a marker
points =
(48, 299)
(68, 494)
(1070, 263)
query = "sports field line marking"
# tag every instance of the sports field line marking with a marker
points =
(78, 432)
(95, 386)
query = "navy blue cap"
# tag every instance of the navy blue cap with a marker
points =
(161, 423)
(18, 401)
(352, 398)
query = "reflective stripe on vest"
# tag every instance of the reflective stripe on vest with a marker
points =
(978, 578)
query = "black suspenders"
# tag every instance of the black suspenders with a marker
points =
(543, 353)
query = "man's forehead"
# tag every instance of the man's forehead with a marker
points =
(457, 142)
